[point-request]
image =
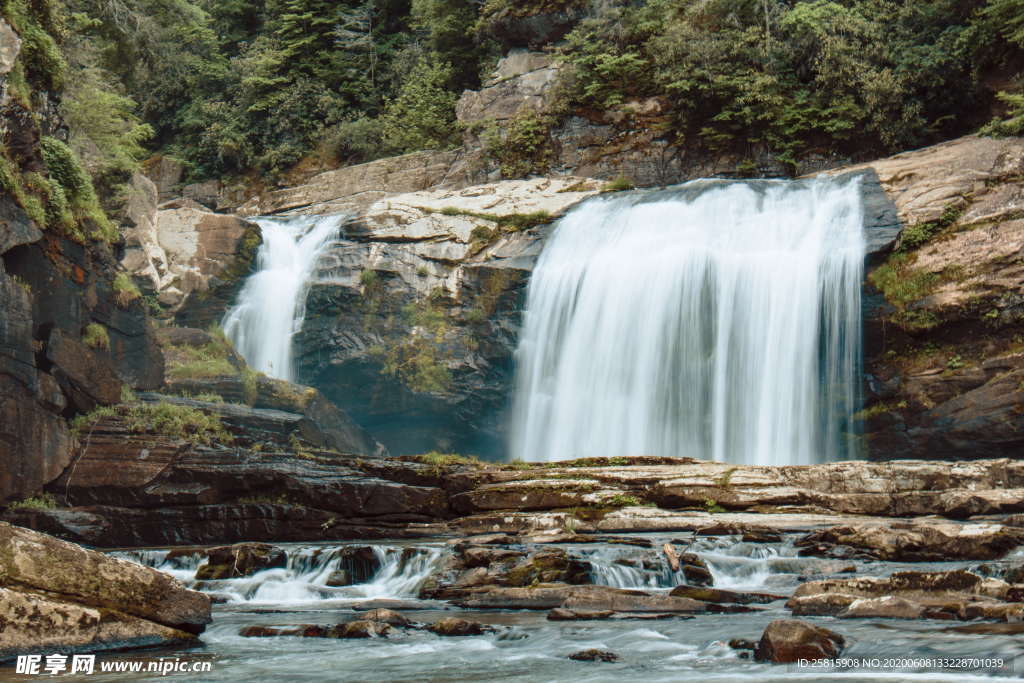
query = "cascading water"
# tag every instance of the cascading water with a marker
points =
(272, 304)
(714, 320)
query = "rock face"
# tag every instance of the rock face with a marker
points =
(181, 252)
(413, 316)
(56, 595)
(789, 640)
(944, 363)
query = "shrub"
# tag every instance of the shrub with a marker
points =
(618, 184)
(522, 144)
(168, 419)
(369, 278)
(96, 336)
(44, 501)
(77, 188)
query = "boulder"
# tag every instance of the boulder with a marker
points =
(303, 631)
(387, 616)
(562, 614)
(453, 626)
(360, 629)
(86, 376)
(789, 640)
(242, 559)
(718, 595)
(886, 607)
(695, 570)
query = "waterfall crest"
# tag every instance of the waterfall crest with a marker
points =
(272, 304)
(717, 320)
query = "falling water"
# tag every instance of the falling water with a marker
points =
(714, 320)
(272, 304)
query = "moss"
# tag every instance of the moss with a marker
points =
(447, 459)
(250, 385)
(166, 419)
(127, 395)
(67, 173)
(419, 360)
(44, 501)
(880, 408)
(213, 359)
(125, 290)
(712, 506)
(245, 255)
(21, 282)
(369, 278)
(623, 500)
(96, 336)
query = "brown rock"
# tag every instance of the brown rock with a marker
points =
(387, 616)
(696, 570)
(360, 629)
(723, 596)
(790, 640)
(302, 631)
(561, 614)
(887, 607)
(453, 626)
(242, 559)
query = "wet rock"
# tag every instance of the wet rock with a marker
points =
(696, 570)
(594, 655)
(453, 626)
(789, 640)
(560, 614)
(485, 557)
(387, 616)
(359, 564)
(302, 631)
(905, 595)
(339, 578)
(243, 559)
(723, 596)
(86, 376)
(390, 604)
(743, 644)
(360, 629)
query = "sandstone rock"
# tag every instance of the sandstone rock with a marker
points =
(34, 623)
(888, 607)
(723, 596)
(360, 629)
(453, 626)
(522, 81)
(86, 376)
(561, 614)
(695, 570)
(916, 541)
(387, 616)
(790, 640)
(594, 656)
(33, 561)
(243, 559)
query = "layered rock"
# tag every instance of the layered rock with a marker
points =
(56, 596)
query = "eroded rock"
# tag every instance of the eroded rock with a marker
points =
(789, 640)
(243, 559)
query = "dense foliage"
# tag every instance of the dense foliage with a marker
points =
(237, 87)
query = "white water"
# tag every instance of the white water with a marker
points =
(304, 579)
(272, 304)
(717, 320)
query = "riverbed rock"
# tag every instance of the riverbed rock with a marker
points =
(789, 640)
(594, 655)
(242, 559)
(718, 595)
(695, 570)
(361, 628)
(387, 616)
(910, 595)
(454, 626)
(302, 631)
(915, 541)
(562, 614)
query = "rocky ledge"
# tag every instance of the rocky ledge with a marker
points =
(56, 596)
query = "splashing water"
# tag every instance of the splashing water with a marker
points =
(713, 320)
(272, 305)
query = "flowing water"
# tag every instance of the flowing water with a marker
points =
(715, 320)
(526, 646)
(272, 304)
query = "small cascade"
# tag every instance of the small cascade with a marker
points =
(272, 304)
(398, 572)
(621, 567)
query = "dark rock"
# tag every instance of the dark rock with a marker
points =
(359, 564)
(339, 578)
(87, 377)
(742, 644)
(453, 626)
(789, 640)
(594, 655)
(360, 629)
(696, 570)
(243, 559)
(15, 226)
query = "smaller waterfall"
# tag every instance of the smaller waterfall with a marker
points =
(402, 572)
(272, 305)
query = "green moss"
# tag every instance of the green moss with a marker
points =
(712, 506)
(76, 186)
(127, 395)
(166, 419)
(96, 336)
(245, 255)
(125, 290)
(369, 278)
(619, 184)
(44, 501)
(880, 408)
(250, 385)
(623, 500)
(447, 459)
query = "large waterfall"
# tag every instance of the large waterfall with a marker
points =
(717, 320)
(272, 304)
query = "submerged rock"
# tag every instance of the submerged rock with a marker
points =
(594, 655)
(362, 628)
(696, 570)
(303, 631)
(789, 640)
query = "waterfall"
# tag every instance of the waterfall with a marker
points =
(272, 304)
(717, 320)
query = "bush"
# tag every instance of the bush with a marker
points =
(167, 419)
(521, 145)
(77, 187)
(423, 114)
(44, 501)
